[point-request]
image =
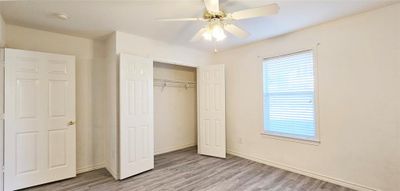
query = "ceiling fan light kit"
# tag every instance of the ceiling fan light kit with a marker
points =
(217, 21)
(214, 31)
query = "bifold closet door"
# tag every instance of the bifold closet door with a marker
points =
(211, 110)
(39, 118)
(136, 136)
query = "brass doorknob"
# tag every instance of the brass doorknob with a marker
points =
(71, 123)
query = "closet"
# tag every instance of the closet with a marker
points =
(175, 107)
(160, 108)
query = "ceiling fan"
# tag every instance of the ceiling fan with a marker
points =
(218, 21)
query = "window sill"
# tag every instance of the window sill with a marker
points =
(291, 139)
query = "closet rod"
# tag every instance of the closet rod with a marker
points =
(173, 81)
(178, 86)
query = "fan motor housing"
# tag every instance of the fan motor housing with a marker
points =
(210, 16)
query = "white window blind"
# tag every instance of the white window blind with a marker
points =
(289, 96)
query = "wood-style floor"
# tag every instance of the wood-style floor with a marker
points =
(185, 170)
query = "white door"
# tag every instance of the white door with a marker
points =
(39, 118)
(211, 110)
(136, 115)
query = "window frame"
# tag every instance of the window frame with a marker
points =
(292, 137)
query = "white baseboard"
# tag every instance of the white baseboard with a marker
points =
(112, 172)
(303, 172)
(89, 168)
(172, 148)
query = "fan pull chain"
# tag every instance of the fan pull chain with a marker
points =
(215, 46)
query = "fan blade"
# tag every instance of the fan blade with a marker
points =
(198, 35)
(182, 19)
(256, 12)
(237, 31)
(212, 5)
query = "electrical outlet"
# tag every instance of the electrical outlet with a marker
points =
(240, 140)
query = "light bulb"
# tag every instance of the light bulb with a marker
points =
(218, 33)
(207, 35)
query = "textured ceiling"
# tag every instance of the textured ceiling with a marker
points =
(95, 19)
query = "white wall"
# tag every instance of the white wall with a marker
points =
(88, 54)
(175, 111)
(358, 77)
(2, 32)
(160, 51)
(111, 92)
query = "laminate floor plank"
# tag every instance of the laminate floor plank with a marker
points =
(185, 170)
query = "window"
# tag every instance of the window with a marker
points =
(289, 107)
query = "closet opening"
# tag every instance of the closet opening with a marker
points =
(175, 107)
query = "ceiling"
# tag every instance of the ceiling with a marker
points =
(95, 19)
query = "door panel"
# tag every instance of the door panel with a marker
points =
(57, 148)
(40, 103)
(136, 115)
(57, 99)
(211, 98)
(27, 144)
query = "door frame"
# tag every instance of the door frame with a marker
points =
(2, 125)
(178, 63)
